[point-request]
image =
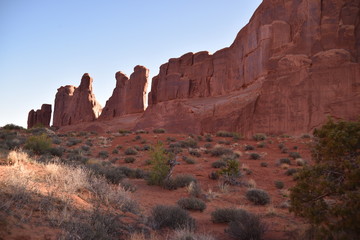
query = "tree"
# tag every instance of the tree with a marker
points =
(160, 167)
(328, 193)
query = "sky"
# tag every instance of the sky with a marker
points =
(45, 44)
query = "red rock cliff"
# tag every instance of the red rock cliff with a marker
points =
(294, 64)
(76, 104)
(129, 94)
(40, 117)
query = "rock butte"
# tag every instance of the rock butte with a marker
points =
(40, 117)
(295, 63)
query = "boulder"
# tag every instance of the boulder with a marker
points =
(40, 117)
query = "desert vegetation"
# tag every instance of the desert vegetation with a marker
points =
(142, 185)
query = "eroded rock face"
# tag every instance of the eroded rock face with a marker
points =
(40, 117)
(129, 95)
(300, 58)
(76, 104)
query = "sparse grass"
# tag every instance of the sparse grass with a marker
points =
(251, 183)
(258, 196)
(192, 204)
(173, 217)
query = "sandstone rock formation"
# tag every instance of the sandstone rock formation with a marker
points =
(129, 95)
(76, 104)
(40, 117)
(294, 64)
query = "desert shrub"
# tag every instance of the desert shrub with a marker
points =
(188, 143)
(58, 151)
(103, 154)
(186, 234)
(258, 196)
(171, 139)
(279, 184)
(130, 151)
(192, 204)
(194, 189)
(264, 164)
(174, 217)
(141, 131)
(86, 148)
(182, 180)
(261, 145)
(218, 164)
(138, 148)
(284, 150)
(228, 134)
(219, 151)
(195, 153)
(294, 155)
(124, 132)
(38, 144)
(231, 170)
(159, 165)
(306, 136)
(295, 147)
(224, 142)
(159, 130)
(249, 147)
(12, 126)
(72, 142)
(255, 156)
(56, 140)
(115, 151)
(248, 227)
(259, 137)
(214, 175)
(208, 138)
(208, 145)
(226, 215)
(300, 162)
(129, 159)
(336, 173)
(291, 171)
(89, 142)
(146, 148)
(188, 160)
(284, 161)
(281, 145)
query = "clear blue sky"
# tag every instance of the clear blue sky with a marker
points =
(45, 44)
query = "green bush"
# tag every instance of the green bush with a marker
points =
(192, 204)
(38, 144)
(130, 151)
(226, 215)
(258, 196)
(336, 172)
(247, 227)
(173, 217)
(159, 165)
